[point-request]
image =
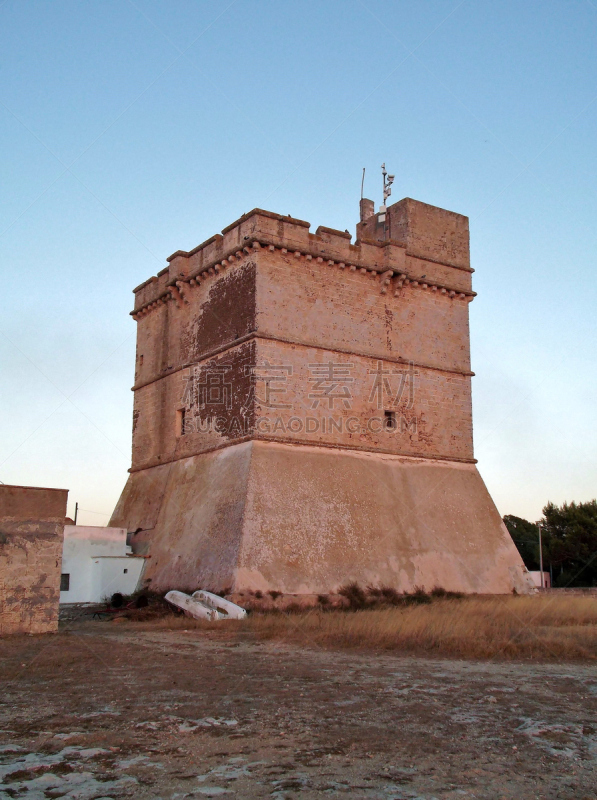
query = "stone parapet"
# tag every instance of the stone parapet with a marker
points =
(405, 260)
(426, 231)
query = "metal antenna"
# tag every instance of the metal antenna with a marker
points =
(363, 183)
(388, 180)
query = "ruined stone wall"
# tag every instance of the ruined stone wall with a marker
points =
(31, 535)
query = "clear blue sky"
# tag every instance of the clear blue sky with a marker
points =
(129, 130)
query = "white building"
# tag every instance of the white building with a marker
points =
(96, 562)
(536, 576)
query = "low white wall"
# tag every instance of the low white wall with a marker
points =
(117, 574)
(536, 576)
(98, 563)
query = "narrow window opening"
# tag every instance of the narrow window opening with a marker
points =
(64, 582)
(180, 415)
(125, 571)
(389, 420)
(140, 361)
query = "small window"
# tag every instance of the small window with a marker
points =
(140, 361)
(180, 415)
(125, 571)
(65, 582)
(389, 420)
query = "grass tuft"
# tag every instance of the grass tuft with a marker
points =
(357, 598)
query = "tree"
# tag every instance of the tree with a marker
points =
(525, 535)
(569, 534)
(571, 542)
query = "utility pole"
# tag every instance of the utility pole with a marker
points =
(76, 512)
(541, 556)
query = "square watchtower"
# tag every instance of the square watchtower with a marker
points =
(302, 412)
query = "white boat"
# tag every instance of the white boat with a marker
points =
(192, 606)
(225, 608)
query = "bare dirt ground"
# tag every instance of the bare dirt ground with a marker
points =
(106, 710)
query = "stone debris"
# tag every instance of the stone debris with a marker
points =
(125, 763)
(92, 752)
(294, 781)
(31, 535)
(231, 771)
(204, 791)
(568, 741)
(149, 725)
(206, 722)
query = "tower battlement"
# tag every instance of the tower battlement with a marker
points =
(413, 253)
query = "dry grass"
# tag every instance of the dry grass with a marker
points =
(541, 627)
(545, 627)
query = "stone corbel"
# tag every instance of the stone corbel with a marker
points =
(386, 280)
(177, 296)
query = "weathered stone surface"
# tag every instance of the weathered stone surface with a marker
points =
(298, 402)
(263, 515)
(196, 536)
(31, 533)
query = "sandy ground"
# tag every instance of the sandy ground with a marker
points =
(107, 711)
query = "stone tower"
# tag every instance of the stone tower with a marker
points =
(302, 413)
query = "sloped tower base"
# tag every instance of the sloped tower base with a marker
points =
(304, 520)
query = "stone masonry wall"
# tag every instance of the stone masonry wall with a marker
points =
(31, 535)
(426, 231)
(402, 332)
(431, 408)
(340, 400)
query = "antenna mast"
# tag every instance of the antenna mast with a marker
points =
(388, 180)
